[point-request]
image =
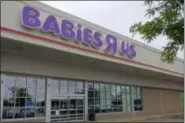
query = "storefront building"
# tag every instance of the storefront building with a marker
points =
(57, 67)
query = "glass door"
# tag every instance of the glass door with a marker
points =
(76, 108)
(59, 108)
(67, 100)
(67, 109)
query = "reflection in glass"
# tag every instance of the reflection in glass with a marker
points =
(118, 92)
(21, 92)
(72, 103)
(103, 104)
(63, 113)
(19, 113)
(9, 87)
(8, 113)
(108, 87)
(21, 82)
(102, 87)
(40, 112)
(31, 83)
(72, 86)
(20, 102)
(63, 104)
(90, 86)
(31, 92)
(102, 91)
(109, 103)
(91, 94)
(128, 99)
(41, 92)
(90, 101)
(80, 88)
(41, 102)
(63, 87)
(110, 97)
(109, 108)
(8, 103)
(124, 102)
(97, 109)
(123, 90)
(133, 89)
(54, 87)
(21, 95)
(55, 104)
(9, 94)
(72, 106)
(97, 105)
(97, 93)
(30, 112)
(108, 94)
(30, 102)
(113, 92)
(127, 89)
(97, 86)
(80, 103)
(97, 90)
(41, 83)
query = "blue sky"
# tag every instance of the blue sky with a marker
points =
(117, 16)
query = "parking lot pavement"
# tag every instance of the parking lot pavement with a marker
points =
(165, 119)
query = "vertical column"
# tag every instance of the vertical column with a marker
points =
(48, 100)
(1, 95)
(86, 101)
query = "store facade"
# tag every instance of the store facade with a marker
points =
(57, 67)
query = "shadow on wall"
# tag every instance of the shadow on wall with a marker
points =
(182, 99)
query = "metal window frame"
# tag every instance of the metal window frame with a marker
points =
(2, 97)
(48, 97)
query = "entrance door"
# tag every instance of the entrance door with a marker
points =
(69, 108)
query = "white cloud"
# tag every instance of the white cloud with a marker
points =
(117, 16)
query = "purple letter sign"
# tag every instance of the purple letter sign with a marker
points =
(68, 30)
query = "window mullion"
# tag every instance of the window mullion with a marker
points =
(36, 97)
(15, 96)
(25, 107)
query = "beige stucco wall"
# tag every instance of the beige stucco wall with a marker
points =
(11, 12)
(152, 101)
(172, 101)
(160, 101)
(16, 63)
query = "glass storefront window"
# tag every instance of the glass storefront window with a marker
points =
(118, 91)
(63, 87)
(79, 87)
(108, 87)
(54, 87)
(111, 98)
(23, 96)
(136, 98)
(72, 87)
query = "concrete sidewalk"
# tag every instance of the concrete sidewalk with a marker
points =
(148, 118)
